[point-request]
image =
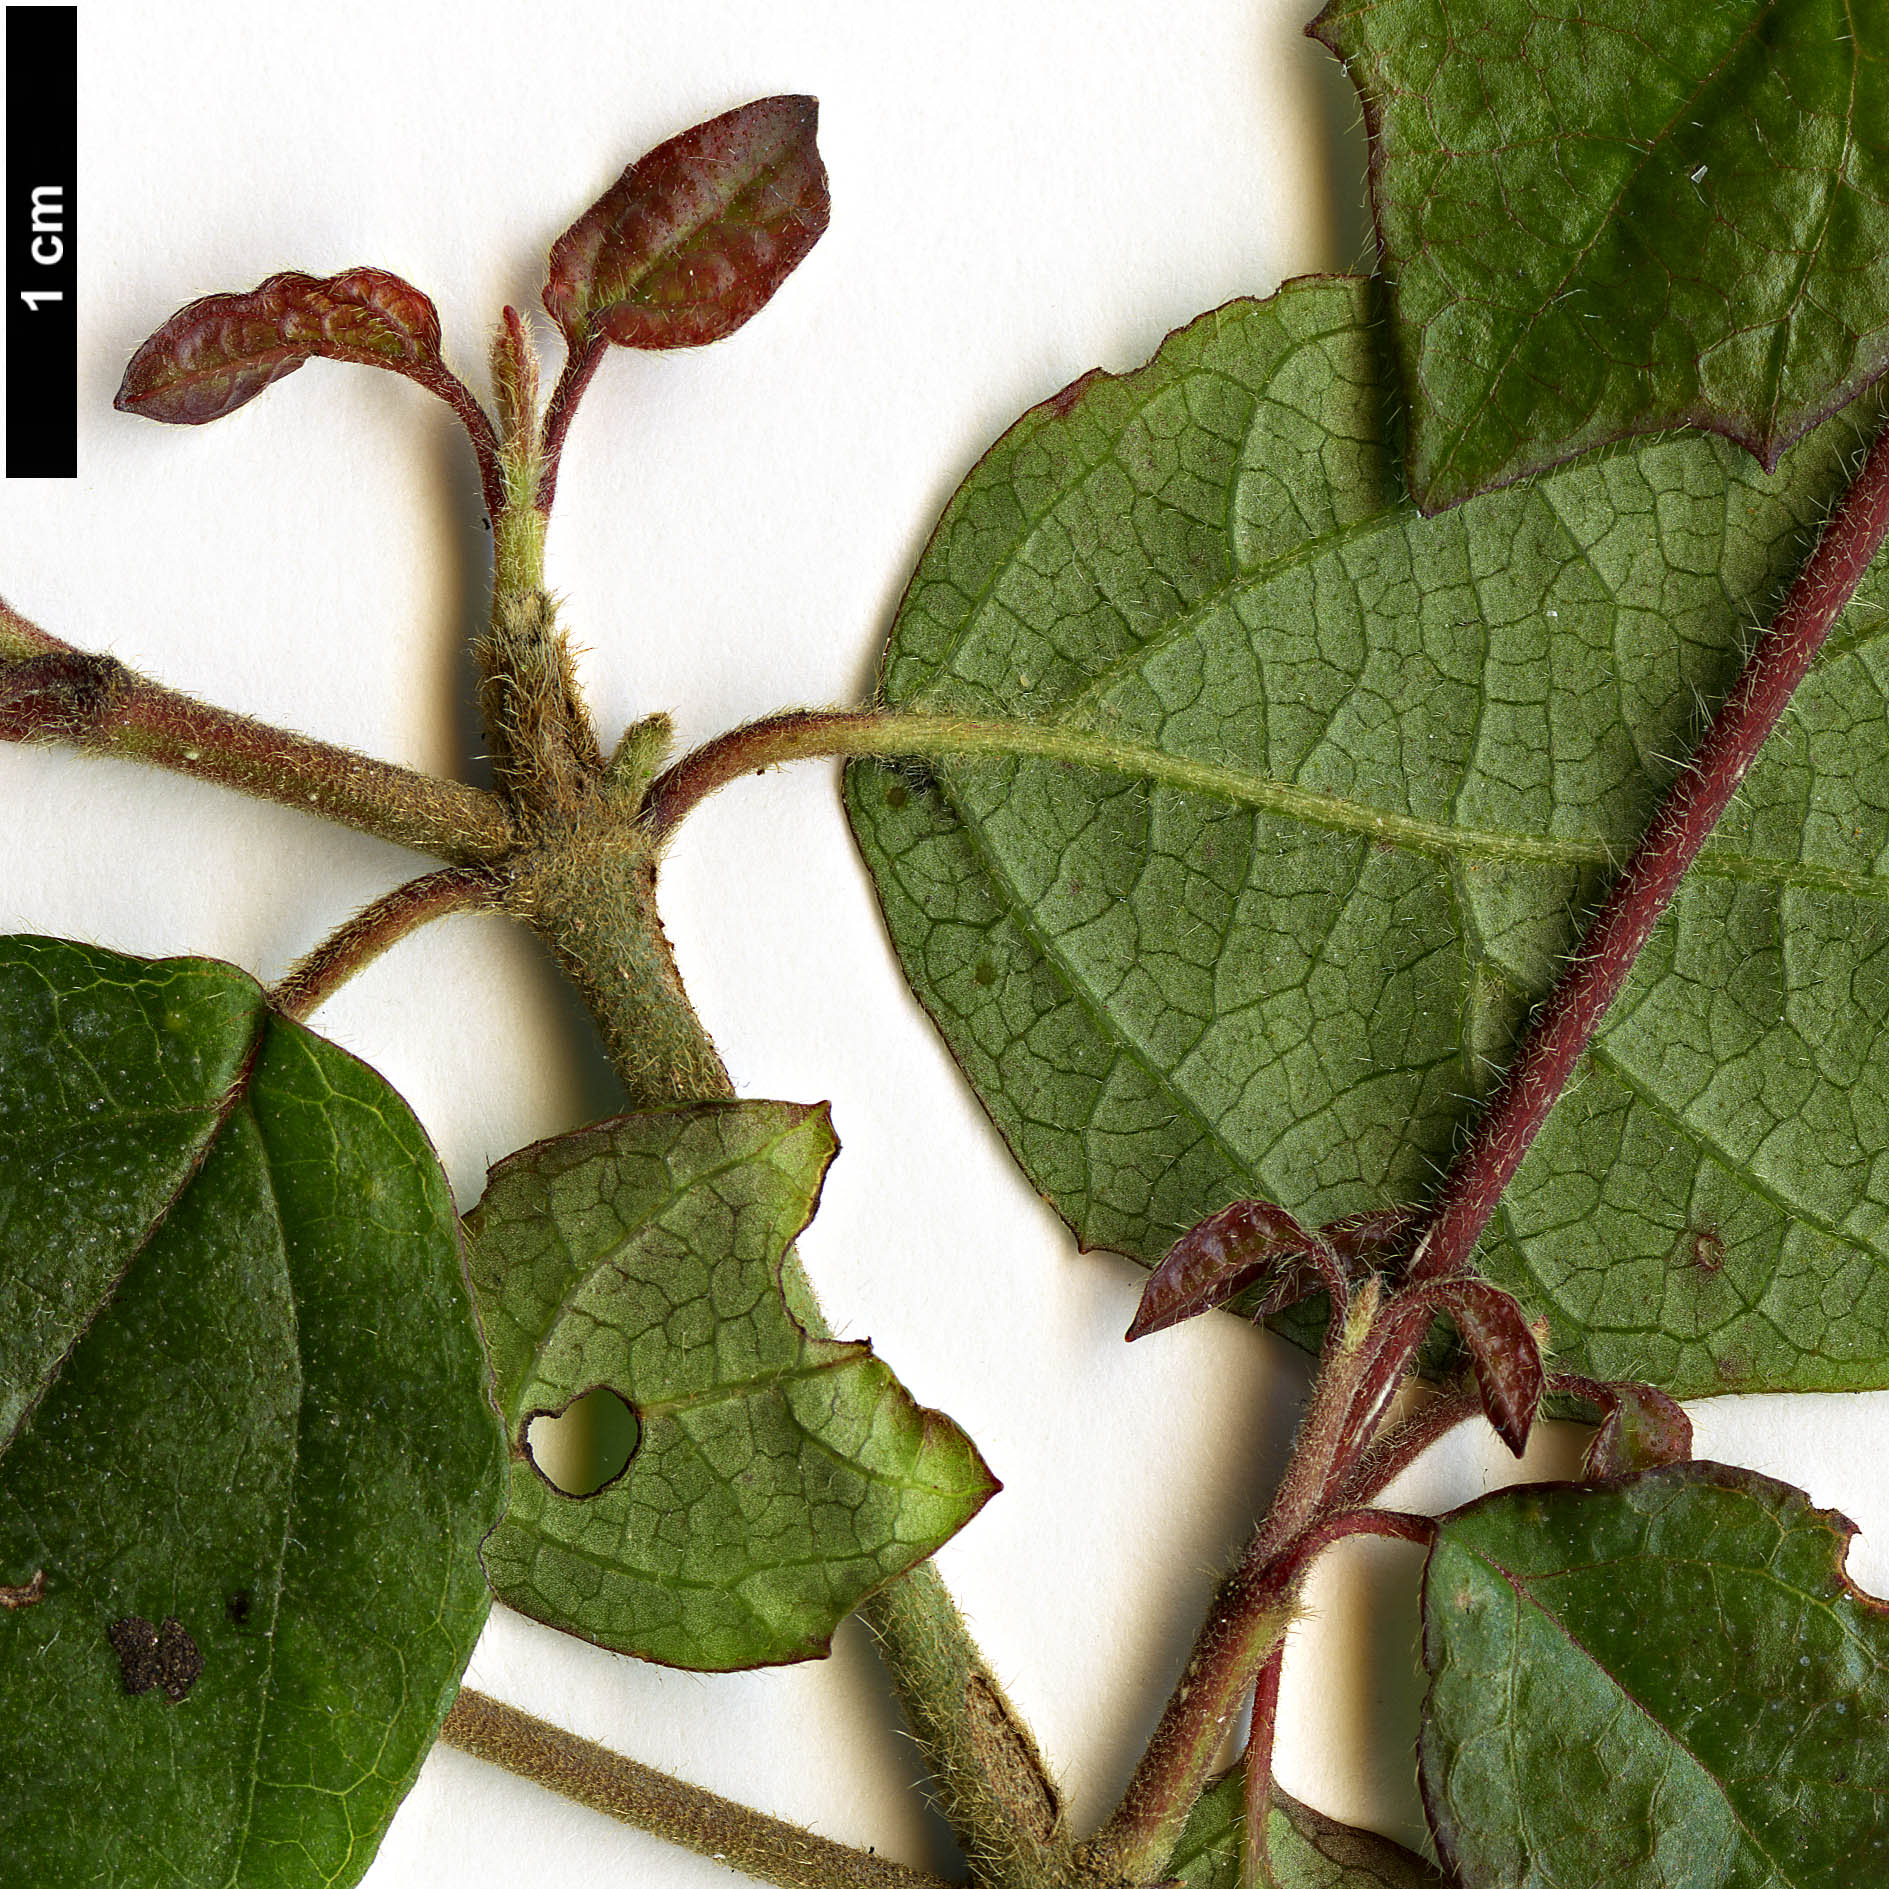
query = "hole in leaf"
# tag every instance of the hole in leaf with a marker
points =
(587, 1445)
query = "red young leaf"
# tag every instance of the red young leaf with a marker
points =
(1369, 1239)
(1509, 1370)
(1217, 1261)
(220, 351)
(1642, 1429)
(694, 238)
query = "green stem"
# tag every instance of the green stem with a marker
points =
(51, 692)
(680, 1813)
(586, 881)
(992, 1785)
(812, 734)
(594, 900)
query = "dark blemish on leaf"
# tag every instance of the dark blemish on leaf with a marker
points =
(165, 1657)
(1708, 1250)
(913, 776)
(27, 1594)
(237, 1607)
(1060, 403)
(896, 796)
(1733, 1367)
(985, 974)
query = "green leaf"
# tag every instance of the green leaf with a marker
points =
(778, 1479)
(1611, 217)
(1326, 789)
(1660, 1681)
(248, 1437)
(1306, 1849)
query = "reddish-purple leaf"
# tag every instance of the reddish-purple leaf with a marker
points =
(1369, 1239)
(1220, 1258)
(1509, 1370)
(694, 238)
(220, 351)
(1642, 1429)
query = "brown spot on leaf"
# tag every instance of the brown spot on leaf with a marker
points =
(1060, 403)
(165, 1657)
(237, 1607)
(1733, 1367)
(1702, 1248)
(27, 1594)
(986, 973)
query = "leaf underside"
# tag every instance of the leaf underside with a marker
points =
(241, 1395)
(1661, 1681)
(1609, 217)
(695, 237)
(218, 353)
(778, 1478)
(1348, 781)
(1306, 1850)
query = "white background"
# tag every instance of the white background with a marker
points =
(1021, 192)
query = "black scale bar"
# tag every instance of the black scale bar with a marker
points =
(41, 215)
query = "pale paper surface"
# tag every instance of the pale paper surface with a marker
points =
(1021, 192)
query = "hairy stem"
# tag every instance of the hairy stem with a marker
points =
(50, 692)
(1245, 1622)
(1256, 1789)
(1566, 1022)
(579, 366)
(684, 1814)
(595, 902)
(438, 378)
(1245, 1628)
(990, 1780)
(385, 922)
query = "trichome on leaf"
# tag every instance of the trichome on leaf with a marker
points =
(1242, 828)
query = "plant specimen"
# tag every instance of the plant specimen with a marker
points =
(1336, 828)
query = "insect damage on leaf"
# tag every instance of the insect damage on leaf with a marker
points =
(26, 1594)
(164, 1657)
(776, 1478)
(581, 1449)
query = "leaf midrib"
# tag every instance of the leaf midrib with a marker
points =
(583, 1271)
(1304, 806)
(291, 1484)
(217, 1115)
(1526, 1598)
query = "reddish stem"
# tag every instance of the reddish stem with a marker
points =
(1244, 1630)
(1393, 1451)
(356, 944)
(1335, 1460)
(437, 378)
(1256, 1788)
(1567, 1021)
(579, 366)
